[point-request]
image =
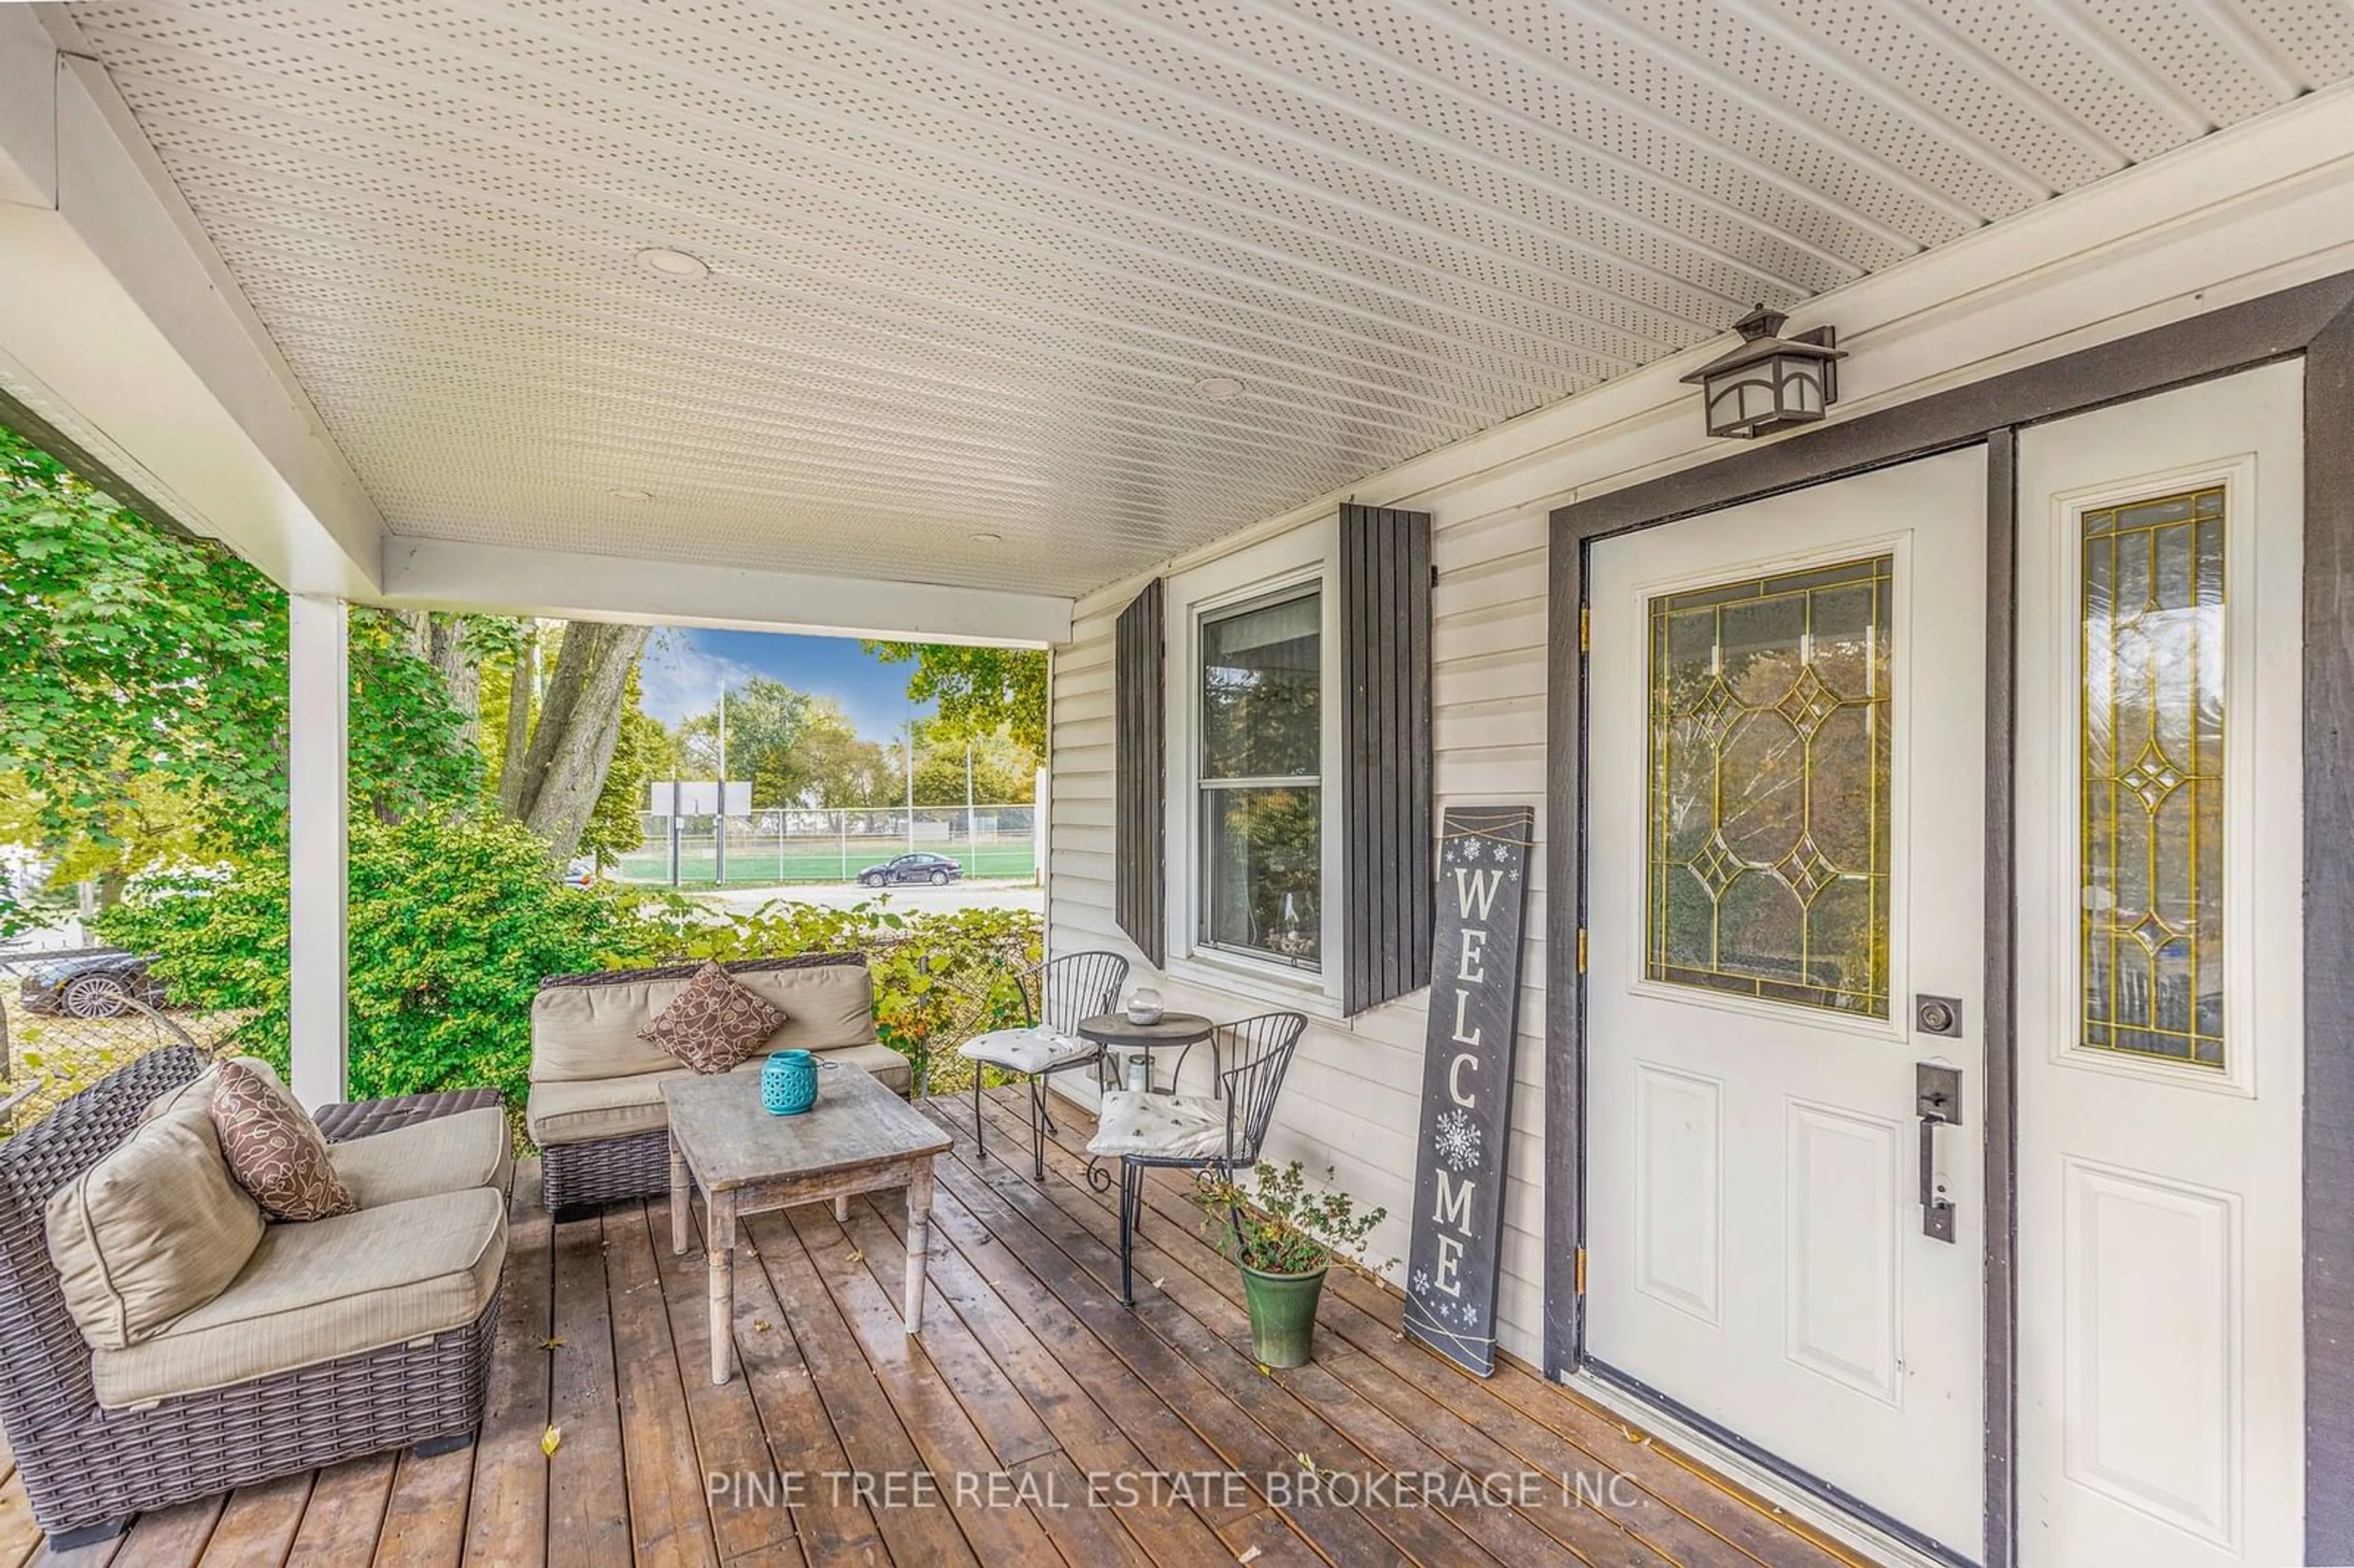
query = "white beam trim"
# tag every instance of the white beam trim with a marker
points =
(29, 110)
(120, 325)
(318, 694)
(437, 574)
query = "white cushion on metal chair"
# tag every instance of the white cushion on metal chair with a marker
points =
(1175, 1126)
(1027, 1050)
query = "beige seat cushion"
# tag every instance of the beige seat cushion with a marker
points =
(447, 1154)
(156, 1228)
(563, 1112)
(580, 1032)
(313, 1292)
(1167, 1127)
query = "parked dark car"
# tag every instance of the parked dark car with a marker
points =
(936, 869)
(89, 985)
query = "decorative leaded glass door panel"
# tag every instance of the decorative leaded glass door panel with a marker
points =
(2161, 1029)
(1785, 773)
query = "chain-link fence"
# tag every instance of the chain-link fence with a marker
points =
(772, 848)
(64, 1024)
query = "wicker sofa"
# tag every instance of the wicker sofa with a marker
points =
(98, 1440)
(596, 1106)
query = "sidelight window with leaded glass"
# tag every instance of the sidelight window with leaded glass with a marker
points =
(2151, 837)
(1769, 793)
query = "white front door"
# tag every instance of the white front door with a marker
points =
(1787, 778)
(2160, 1025)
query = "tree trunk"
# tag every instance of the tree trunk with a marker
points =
(526, 675)
(579, 720)
(453, 655)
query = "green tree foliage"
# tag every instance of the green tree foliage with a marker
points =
(135, 659)
(980, 691)
(1003, 773)
(768, 723)
(453, 924)
(844, 769)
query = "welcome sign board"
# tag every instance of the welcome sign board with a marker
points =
(1466, 1082)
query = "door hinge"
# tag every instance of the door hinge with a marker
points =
(1581, 1271)
(1584, 629)
(1581, 949)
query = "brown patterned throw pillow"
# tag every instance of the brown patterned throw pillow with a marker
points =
(274, 1149)
(714, 1024)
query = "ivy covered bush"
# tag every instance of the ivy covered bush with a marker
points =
(454, 923)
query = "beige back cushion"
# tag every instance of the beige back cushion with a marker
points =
(156, 1228)
(584, 1032)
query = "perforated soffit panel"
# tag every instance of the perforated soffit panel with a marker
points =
(969, 259)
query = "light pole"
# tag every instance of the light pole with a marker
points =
(719, 823)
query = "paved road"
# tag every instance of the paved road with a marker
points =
(954, 895)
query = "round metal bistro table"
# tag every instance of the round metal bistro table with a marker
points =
(1178, 1032)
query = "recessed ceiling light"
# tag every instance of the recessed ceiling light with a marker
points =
(986, 538)
(628, 495)
(1217, 388)
(667, 263)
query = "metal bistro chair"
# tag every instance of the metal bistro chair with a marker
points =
(1196, 1132)
(1055, 996)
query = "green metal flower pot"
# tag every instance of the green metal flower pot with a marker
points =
(1282, 1314)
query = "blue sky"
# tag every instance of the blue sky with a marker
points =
(683, 670)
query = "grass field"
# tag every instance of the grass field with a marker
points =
(758, 865)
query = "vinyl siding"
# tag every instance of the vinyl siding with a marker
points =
(1352, 1099)
(2149, 246)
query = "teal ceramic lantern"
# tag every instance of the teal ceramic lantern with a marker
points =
(788, 1083)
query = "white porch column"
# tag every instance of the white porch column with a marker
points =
(319, 691)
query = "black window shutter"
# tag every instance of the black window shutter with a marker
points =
(1386, 896)
(1139, 787)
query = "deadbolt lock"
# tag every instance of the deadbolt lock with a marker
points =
(1938, 1015)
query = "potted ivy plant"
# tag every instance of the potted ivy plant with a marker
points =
(1285, 1238)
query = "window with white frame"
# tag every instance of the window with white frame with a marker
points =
(1258, 776)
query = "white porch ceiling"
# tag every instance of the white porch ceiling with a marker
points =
(968, 257)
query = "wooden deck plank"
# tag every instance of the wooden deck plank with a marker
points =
(21, 1537)
(171, 1537)
(1241, 1444)
(1013, 1431)
(1306, 1410)
(1266, 1539)
(1091, 1438)
(345, 1516)
(507, 1514)
(588, 1495)
(1537, 1525)
(831, 1523)
(872, 1441)
(747, 1512)
(425, 1517)
(259, 1523)
(1684, 1513)
(668, 1521)
(951, 1447)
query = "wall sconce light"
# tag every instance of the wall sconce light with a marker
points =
(1769, 382)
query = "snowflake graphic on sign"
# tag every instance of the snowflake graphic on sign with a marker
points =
(1456, 1140)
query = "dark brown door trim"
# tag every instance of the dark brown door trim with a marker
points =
(2316, 319)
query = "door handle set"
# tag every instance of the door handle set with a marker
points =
(1937, 1101)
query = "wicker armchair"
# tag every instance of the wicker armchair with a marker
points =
(88, 1470)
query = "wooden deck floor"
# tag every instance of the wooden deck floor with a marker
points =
(1029, 1378)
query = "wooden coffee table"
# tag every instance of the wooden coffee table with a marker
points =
(858, 1137)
